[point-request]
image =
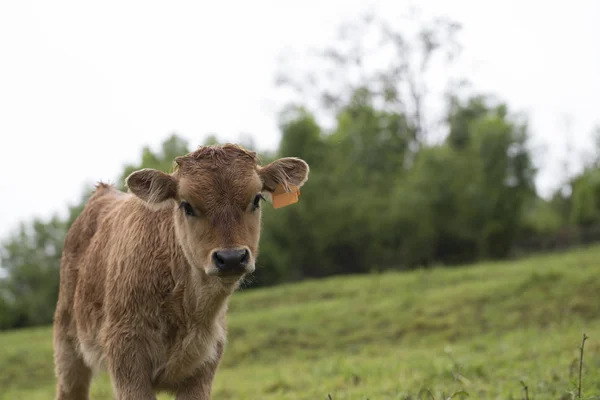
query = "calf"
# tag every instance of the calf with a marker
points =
(146, 276)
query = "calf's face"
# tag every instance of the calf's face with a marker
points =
(216, 194)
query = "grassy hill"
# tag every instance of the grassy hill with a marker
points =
(482, 329)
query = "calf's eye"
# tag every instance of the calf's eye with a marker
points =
(256, 202)
(187, 208)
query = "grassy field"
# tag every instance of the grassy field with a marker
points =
(419, 335)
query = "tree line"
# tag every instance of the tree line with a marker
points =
(390, 186)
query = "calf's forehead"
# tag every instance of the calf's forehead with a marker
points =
(229, 184)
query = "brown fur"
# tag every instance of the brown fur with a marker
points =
(139, 294)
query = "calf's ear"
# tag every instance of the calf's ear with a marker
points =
(284, 171)
(154, 187)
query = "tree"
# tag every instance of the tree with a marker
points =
(504, 173)
(354, 64)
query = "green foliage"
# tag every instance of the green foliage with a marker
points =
(541, 217)
(443, 187)
(481, 329)
(586, 198)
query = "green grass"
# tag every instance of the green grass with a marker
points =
(482, 329)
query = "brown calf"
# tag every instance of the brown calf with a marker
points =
(146, 276)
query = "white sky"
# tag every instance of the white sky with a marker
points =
(84, 85)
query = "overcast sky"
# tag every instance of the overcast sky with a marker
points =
(85, 85)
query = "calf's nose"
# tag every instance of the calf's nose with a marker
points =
(231, 260)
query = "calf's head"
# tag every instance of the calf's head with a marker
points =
(215, 194)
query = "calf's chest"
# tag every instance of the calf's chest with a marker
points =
(189, 353)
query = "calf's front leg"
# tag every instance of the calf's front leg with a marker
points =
(199, 386)
(130, 374)
(132, 388)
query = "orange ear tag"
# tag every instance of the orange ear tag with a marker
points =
(281, 198)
